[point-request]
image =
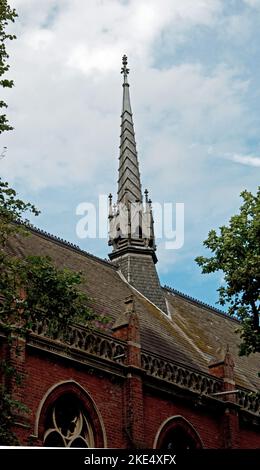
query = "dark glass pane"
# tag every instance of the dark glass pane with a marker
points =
(78, 442)
(68, 424)
(54, 439)
(178, 440)
(66, 414)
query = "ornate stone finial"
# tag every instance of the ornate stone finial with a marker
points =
(146, 195)
(110, 215)
(228, 360)
(125, 69)
(129, 303)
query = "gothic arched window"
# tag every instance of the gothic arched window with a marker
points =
(68, 424)
(177, 435)
(177, 440)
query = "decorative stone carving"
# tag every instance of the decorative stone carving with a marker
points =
(179, 375)
(250, 401)
(90, 342)
(113, 349)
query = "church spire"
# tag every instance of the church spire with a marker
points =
(131, 232)
(129, 184)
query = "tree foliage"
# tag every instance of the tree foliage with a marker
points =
(7, 15)
(9, 406)
(32, 290)
(236, 251)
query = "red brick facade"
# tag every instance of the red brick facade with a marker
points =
(154, 377)
(126, 408)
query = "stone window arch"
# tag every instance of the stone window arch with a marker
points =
(68, 424)
(68, 417)
(177, 434)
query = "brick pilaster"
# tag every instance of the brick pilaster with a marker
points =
(127, 328)
(17, 362)
(224, 369)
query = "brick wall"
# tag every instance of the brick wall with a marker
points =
(249, 438)
(159, 409)
(44, 372)
(112, 397)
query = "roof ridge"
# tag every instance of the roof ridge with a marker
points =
(66, 243)
(200, 302)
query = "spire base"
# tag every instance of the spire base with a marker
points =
(129, 246)
(137, 266)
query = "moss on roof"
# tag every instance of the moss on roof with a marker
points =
(191, 334)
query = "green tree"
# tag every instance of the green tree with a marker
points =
(32, 287)
(7, 15)
(236, 252)
(32, 290)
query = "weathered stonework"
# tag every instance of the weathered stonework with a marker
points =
(131, 231)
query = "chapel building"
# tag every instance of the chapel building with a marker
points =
(164, 373)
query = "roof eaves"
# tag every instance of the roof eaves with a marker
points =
(66, 244)
(200, 303)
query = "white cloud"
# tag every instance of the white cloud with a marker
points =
(249, 160)
(238, 27)
(90, 33)
(184, 105)
(67, 101)
(66, 61)
(252, 3)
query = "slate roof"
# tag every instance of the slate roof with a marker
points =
(192, 334)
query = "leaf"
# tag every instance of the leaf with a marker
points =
(236, 252)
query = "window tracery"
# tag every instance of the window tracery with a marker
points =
(68, 424)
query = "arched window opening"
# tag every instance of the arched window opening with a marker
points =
(177, 440)
(68, 424)
(118, 233)
(176, 434)
(140, 231)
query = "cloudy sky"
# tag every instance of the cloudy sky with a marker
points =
(195, 91)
